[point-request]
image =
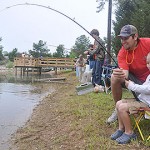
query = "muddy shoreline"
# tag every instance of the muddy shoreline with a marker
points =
(45, 123)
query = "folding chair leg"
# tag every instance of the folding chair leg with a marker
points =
(105, 87)
(137, 120)
(148, 138)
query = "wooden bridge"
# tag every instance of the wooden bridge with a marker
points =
(27, 63)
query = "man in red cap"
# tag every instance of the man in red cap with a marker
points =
(131, 61)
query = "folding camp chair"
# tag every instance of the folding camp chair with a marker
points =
(143, 113)
(106, 75)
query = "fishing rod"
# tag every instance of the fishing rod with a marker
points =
(67, 49)
(48, 7)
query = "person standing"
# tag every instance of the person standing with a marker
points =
(23, 55)
(75, 67)
(132, 63)
(80, 64)
(91, 57)
(87, 75)
(99, 54)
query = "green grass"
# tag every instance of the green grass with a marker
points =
(77, 122)
(90, 112)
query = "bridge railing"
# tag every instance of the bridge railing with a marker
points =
(44, 62)
(56, 62)
(25, 62)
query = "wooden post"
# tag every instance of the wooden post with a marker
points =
(32, 70)
(55, 70)
(40, 70)
(27, 71)
(24, 71)
(15, 70)
(21, 71)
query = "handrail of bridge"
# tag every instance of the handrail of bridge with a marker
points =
(44, 62)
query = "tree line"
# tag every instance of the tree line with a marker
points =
(41, 49)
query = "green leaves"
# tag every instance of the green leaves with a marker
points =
(134, 12)
(60, 51)
(40, 49)
(81, 45)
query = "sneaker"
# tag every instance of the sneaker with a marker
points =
(112, 118)
(126, 138)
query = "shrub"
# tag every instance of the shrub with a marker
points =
(9, 64)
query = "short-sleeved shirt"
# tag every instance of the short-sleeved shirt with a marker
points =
(98, 51)
(138, 66)
(80, 62)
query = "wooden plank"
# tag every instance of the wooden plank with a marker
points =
(52, 79)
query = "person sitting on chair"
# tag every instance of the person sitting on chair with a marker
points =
(125, 107)
(131, 58)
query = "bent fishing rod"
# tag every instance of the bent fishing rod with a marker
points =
(48, 7)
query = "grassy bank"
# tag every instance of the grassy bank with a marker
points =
(67, 121)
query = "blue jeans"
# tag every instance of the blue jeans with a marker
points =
(77, 71)
(97, 72)
(91, 63)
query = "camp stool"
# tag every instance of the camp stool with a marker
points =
(144, 111)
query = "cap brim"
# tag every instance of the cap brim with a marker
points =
(123, 35)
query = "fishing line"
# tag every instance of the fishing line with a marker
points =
(48, 7)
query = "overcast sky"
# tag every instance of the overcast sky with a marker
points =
(21, 26)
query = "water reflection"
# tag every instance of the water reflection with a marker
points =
(18, 97)
(11, 78)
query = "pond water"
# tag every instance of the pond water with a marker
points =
(18, 97)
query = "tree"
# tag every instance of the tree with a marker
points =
(1, 51)
(40, 49)
(59, 51)
(73, 54)
(12, 54)
(141, 17)
(81, 45)
(134, 12)
(1, 55)
(5, 53)
(101, 4)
